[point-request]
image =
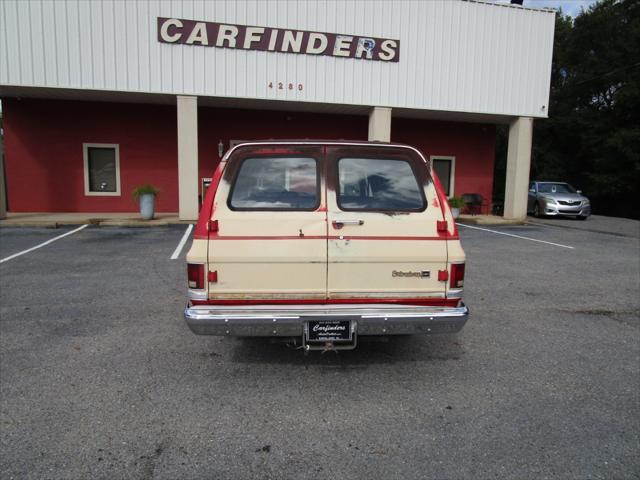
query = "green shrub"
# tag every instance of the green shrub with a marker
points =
(147, 188)
(456, 202)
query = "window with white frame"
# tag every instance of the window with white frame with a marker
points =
(101, 169)
(445, 168)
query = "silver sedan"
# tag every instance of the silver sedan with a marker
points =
(557, 199)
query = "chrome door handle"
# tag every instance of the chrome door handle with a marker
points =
(341, 223)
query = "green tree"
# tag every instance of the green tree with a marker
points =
(592, 136)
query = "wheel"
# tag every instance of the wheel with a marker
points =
(536, 211)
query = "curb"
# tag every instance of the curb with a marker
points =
(30, 225)
(92, 222)
(489, 222)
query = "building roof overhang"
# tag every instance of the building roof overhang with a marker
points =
(10, 91)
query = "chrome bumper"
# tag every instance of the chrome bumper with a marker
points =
(289, 321)
(567, 211)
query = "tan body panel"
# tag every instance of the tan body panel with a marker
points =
(364, 268)
(263, 268)
(455, 252)
(198, 251)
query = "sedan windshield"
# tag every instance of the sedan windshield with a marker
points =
(555, 188)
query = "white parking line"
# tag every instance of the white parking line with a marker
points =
(515, 236)
(183, 240)
(43, 244)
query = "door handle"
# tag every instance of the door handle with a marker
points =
(338, 224)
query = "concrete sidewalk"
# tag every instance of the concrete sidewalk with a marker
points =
(54, 220)
(488, 220)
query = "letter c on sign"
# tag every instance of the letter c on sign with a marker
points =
(164, 30)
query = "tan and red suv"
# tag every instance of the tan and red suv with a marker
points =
(325, 241)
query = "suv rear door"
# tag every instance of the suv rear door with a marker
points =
(383, 240)
(269, 243)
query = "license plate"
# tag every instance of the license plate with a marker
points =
(329, 330)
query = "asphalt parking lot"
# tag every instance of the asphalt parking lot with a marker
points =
(101, 378)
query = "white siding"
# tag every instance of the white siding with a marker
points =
(454, 55)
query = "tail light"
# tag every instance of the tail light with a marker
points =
(457, 275)
(195, 275)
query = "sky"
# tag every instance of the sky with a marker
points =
(569, 7)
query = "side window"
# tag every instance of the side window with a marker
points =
(101, 169)
(378, 184)
(276, 183)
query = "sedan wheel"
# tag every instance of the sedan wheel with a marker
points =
(536, 211)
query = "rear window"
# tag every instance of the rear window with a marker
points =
(378, 184)
(276, 183)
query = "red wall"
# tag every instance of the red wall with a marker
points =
(44, 163)
(44, 157)
(473, 145)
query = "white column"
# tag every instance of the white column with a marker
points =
(187, 157)
(518, 163)
(380, 124)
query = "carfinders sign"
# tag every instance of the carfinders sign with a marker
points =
(267, 39)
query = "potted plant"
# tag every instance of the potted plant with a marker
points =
(456, 204)
(146, 196)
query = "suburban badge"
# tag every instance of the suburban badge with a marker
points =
(422, 274)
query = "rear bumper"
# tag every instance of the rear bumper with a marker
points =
(288, 321)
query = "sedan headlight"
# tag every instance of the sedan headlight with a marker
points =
(548, 200)
(586, 202)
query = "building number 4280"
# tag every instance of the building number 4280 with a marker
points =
(285, 86)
